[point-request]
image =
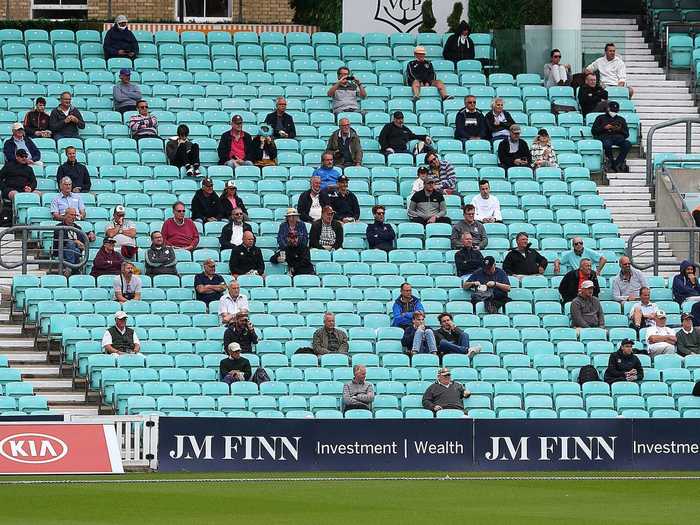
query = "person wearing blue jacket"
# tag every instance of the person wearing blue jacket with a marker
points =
(19, 140)
(470, 123)
(380, 235)
(292, 221)
(404, 306)
(685, 284)
(119, 41)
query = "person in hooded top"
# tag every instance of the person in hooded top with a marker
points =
(459, 46)
(685, 284)
(624, 365)
(119, 41)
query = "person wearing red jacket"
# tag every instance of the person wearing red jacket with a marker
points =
(179, 231)
(107, 261)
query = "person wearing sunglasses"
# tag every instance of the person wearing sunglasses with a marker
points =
(179, 231)
(572, 259)
(143, 124)
(470, 123)
(119, 41)
(556, 73)
(380, 235)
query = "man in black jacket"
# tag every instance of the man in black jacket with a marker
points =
(246, 258)
(514, 151)
(624, 365)
(76, 172)
(120, 41)
(394, 137)
(571, 283)
(420, 72)
(281, 122)
(232, 234)
(65, 121)
(451, 339)
(592, 96)
(459, 46)
(234, 368)
(160, 259)
(468, 259)
(611, 129)
(470, 123)
(236, 146)
(309, 205)
(380, 235)
(205, 203)
(523, 260)
(343, 201)
(17, 177)
(241, 331)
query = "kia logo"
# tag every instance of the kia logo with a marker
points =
(33, 448)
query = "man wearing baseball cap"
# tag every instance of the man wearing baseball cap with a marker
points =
(428, 205)
(660, 338)
(611, 129)
(234, 368)
(489, 285)
(123, 231)
(120, 339)
(125, 94)
(586, 310)
(688, 337)
(235, 146)
(17, 177)
(624, 365)
(420, 72)
(205, 204)
(343, 201)
(445, 393)
(19, 140)
(120, 41)
(394, 137)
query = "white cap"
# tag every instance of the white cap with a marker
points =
(234, 347)
(587, 284)
(660, 313)
(119, 209)
(17, 125)
(121, 314)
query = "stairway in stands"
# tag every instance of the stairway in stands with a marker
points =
(657, 99)
(18, 346)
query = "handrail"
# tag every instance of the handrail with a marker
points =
(656, 232)
(25, 237)
(650, 135)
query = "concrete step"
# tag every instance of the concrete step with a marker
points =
(15, 358)
(10, 330)
(38, 371)
(656, 83)
(51, 384)
(64, 398)
(82, 411)
(23, 342)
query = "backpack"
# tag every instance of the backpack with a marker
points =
(588, 373)
(260, 376)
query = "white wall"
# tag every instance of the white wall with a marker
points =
(392, 16)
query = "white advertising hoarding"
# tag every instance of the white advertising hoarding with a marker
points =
(394, 16)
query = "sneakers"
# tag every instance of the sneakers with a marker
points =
(447, 97)
(190, 171)
(473, 350)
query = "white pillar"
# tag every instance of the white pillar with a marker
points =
(566, 32)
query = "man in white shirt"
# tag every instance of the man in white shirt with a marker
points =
(660, 338)
(611, 68)
(643, 312)
(232, 302)
(487, 207)
(122, 230)
(120, 339)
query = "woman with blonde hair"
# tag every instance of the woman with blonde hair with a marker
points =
(498, 120)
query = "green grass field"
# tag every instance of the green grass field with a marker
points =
(470, 501)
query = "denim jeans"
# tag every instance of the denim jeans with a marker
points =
(624, 145)
(424, 342)
(462, 346)
(71, 252)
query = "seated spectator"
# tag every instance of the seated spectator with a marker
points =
(232, 234)
(343, 201)
(514, 151)
(328, 339)
(468, 259)
(643, 313)
(428, 206)
(65, 122)
(469, 225)
(592, 97)
(326, 233)
(67, 199)
(18, 141)
(295, 254)
(611, 68)
(445, 393)
(611, 129)
(309, 203)
(205, 203)
(586, 311)
(404, 306)
(459, 45)
(660, 338)
(624, 365)
(380, 235)
(120, 339)
(123, 231)
(627, 284)
(181, 151)
(17, 177)
(292, 223)
(556, 73)
(470, 123)
(443, 171)
(688, 337)
(685, 285)
(358, 393)
(143, 124)
(263, 151)
(236, 146)
(125, 94)
(345, 145)
(36, 122)
(523, 260)
(417, 337)
(232, 302)
(230, 201)
(572, 259)
(120, 41)
(209, 286)
(281, 122)
(234, 368)
(127, 286)
(160, 259)
(345, 92)
(420, 73)
(242, 332)
(107, 260)
(570, 284)
(179, 231)
(451, 339)
(486, 206)
(247, 258)
(74, 243)
(498, 120)
(421, 174)
(491, 286)
(394, 137)
(327, 172)
(77, 172)
(543, 154)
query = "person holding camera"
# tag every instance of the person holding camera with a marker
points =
(345, 145)
(263, 150)
(489, 285)
(611, 129)
(181, 151)
(281, 122)
(345, 91)
(241, 331)
(127, 286)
